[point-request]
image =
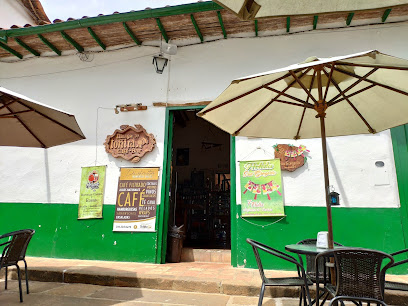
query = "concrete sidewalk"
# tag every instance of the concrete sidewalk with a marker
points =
(202, 277)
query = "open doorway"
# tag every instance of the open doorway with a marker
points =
(200, 182)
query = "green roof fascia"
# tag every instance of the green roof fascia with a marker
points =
(27, 47)
(122, 17)
(96, 38)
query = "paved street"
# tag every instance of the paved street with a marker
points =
(48, 293)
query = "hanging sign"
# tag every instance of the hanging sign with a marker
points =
(261, 188)
(130, 143)
(136, 200)
(291, 157)
(91, 192)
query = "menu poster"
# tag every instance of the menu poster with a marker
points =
(136, 200)
(261, 188)
(91, 192)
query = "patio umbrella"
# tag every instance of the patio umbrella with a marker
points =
(254, 9)
(353, 94)
(27, 123)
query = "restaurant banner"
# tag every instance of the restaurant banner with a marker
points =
(136, 200)
(91, 192)
(261, 188)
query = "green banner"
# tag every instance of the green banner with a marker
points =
(92, 192)
(261, 188)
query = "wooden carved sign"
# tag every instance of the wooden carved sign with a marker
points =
(291, 157)
(130, 143)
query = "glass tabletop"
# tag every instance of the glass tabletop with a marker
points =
(307, 249)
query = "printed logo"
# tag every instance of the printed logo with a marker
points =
(93, 180)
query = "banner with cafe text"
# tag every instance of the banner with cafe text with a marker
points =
(261, 188)
(136, 200)
(91, 192)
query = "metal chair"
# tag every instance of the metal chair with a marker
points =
(396, 285)
(299, 281)
(14, 251)
(359, 275)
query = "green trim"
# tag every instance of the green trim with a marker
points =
(196, 27)
(349, 18)
(96, 37)
(162, 30)
(315, 18)
(287, 24)
(256, 27)
(123, 17)
(233, 203)
(10, 50)
(385, 15)
(221, 24)
(27, 47)
(399, 137)
(131, 34)
(49, 44)
(72, 41)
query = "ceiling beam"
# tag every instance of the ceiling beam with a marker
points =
(72, 41)
(221, 24)
(256, 27)
(315, 18)
(96, 37)
(27, 47)
(196, 27)
(131, 34)
(385, 15)
(287, 24)
(50, 45)
(10, 50)
(349, 18)
(162, 30)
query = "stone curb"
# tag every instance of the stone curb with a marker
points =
(179, 283)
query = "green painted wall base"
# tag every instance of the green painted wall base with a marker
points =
(60, 235)
(374, 228)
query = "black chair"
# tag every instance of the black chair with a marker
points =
(13, 252)
(359, 275)
(396, 285)
(299, 281)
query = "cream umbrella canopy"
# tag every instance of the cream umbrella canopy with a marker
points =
(27, 123)
(359, 93)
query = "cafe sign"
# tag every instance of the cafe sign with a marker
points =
(130, 143)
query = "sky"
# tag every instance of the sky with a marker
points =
(63, 9)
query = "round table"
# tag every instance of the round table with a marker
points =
(307, 249)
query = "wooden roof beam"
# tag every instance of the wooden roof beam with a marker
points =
(131, 34)
(49, 44)
(162, 30)
(27, 47)
(197, 28)
(287, 24)
(256, 27)
(385, 15)
(96, 37)
(72, 41)
(221, 24)
(315, 18)
(10, 50)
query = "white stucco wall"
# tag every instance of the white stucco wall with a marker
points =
(13, 13)
(197, 73)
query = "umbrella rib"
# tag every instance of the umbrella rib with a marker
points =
(373, 82)
(289, 96)
(295, 104)
(351, 95)
(328, 82)
(269, 103)
(304, 110)
(28, 129)
(370, 129)
(360, 79)
(247, 93)
(5, 105)
(11, 115)
(55, 121)
(303, 86)
(371, 66)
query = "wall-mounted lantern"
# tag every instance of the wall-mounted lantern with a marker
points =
(159, 62)
(334, 198)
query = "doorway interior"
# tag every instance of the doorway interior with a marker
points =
(200, 181)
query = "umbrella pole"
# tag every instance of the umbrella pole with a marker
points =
(326, 182)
